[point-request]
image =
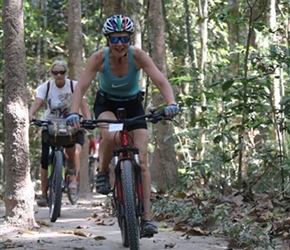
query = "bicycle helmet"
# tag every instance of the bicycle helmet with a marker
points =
(118, 23)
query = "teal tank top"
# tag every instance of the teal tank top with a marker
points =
(124, 86)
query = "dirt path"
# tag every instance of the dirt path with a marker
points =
(86, 226)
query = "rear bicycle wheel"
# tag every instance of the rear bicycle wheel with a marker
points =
(130, 228)
(55, 190)
(91, 177)
(73, 195)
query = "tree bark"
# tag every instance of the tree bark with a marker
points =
(203, 14)
(113, 7)
(75, 63)
(19, 193)
(164, 165)
(234, 37)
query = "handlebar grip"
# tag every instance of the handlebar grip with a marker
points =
(88, 124)
(156, 117)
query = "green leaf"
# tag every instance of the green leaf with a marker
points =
(217, 139)
(287, 110)
(285, 100)
(259, 26)
(227, 85)
(230, 138)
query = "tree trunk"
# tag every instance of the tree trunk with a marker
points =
(164, 165)
(75, 63)
(19, 193)
(75, 41)
(203, 14)
(113, 7)
(234, 37)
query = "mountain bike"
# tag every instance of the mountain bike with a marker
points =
(59, 175)
(127, 189)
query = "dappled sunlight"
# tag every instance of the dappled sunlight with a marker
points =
(90, 226)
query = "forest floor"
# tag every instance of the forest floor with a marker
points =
(88, 225)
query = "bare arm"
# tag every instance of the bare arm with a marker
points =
(34, 107)
(85, 80)
(146, 63)
(85, 109)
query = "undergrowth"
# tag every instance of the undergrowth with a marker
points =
(209, 212)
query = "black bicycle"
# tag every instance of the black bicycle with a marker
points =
(59, 175)
(127, 190)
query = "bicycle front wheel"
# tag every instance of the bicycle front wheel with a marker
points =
(130, 223)
(55, 190)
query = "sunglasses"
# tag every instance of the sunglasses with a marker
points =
(62, 72)
(116, 39)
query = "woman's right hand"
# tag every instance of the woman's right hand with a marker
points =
(73, 120)
(171, 110)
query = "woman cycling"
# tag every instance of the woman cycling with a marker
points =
(118, 68)
(57, 93)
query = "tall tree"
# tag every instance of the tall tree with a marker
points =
(234, 35)
(75, 63)
(19, 193)
(203, 15)
(164, 166)
(113, 7)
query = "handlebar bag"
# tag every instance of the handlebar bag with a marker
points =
(59, 134)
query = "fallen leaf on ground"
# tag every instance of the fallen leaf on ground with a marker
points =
(29, 233)
(170, 245)
(43, 223)
(41, 241)
(100, 238)
(66, 232)
(179, 228)
(196, 232)
(101, 223)
(80, 233)
(111, 223)
(81, 227)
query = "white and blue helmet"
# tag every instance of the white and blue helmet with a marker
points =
(118, 23)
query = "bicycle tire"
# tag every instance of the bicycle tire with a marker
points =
(91, 177)
(130, 228)
(55, 190)
(73, 196)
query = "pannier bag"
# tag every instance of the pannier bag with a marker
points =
(59, 134)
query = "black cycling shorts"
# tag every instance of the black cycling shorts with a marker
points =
(45, 148)
(133, 108)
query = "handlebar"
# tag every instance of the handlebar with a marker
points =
(154, 117)
(40, 123)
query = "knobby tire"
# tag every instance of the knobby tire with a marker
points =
(73, 196)
(91, 177)
(130, 225)
(55, 191)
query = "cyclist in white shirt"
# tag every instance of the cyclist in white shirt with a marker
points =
(57, 93)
